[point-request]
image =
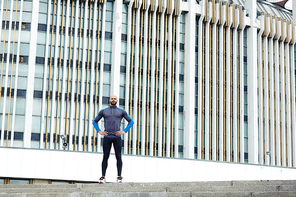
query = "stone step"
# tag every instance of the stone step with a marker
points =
(226, 188)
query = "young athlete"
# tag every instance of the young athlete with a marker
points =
(112, 135)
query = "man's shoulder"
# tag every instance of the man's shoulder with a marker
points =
(103, 110)
(121, 110)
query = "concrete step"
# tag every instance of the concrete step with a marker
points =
(221, 188)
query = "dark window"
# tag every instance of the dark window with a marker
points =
(80, 64)
(97, 65)
(48, 137)
(180, 147)
(12, 58)
(123, 37)
(64, 29)
(5, 57)
(26, 26)
(50, 96)
(16, 136)
(54, 29)
(66, 96)
(79, 32)
(99, 33)
(91, 33)
(71, 63)
(246, 118)
(73, 31)
(42, 27)
(246, 156)
(180, 109)
(107, 67)
(181, 77)
(245, 88)
(37, 94)
(196, 79)
(245, 59)
(7, 93)
(195, 111)
(24, 59)
(3, 24)
(105, 100)
(21, 93)
(40, 60)
(52, 61)
(121, 101)
(35, 137)
(122, 69)
(108, 35)
(60, 61)
(181, 47)
(17, 25)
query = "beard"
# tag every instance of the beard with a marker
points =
(113, 103)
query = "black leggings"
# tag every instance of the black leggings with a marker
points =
(107, 143)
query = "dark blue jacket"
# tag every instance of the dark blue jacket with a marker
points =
(112, 120)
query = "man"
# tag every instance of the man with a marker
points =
(112, 134)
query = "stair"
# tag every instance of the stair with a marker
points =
(186, 189)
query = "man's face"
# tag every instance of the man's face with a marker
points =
(113, 100)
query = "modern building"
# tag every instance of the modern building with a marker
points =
(210, 85)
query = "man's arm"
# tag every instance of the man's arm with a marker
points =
(96, 120)
(129, 119)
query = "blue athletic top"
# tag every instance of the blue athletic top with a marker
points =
(112, 120)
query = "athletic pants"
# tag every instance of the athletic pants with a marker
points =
(107, 143)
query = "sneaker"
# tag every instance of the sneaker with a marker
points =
(119, 179)
(102, 180)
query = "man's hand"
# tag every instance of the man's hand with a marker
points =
(118, 133)
(104, 133)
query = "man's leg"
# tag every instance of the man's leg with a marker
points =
(117, 147)
(107, 142)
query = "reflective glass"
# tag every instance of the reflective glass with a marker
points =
(20, 123)
(36, 127)
(43, 7)
(22, 83)
(181, 121)
(107, 58)
(123, 48)
(106, 77)
(182, 56)
(26, 37)
(108, 26)
(40, 50)
(122, 92)
(109, 5)
(122, 59)
(180, 136)
(20, 106)
(122, 79)
(37, 105)
(181, 99)
(246, 144)
(109, 16)
(108, 45)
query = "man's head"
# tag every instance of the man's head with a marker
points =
(113, 100)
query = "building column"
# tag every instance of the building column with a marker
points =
(294, 10)
(252, 83)
(189, 82)
(31, 76)
(115, 66)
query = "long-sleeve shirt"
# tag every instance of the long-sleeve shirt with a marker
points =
(112, 120)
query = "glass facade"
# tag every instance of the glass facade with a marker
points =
(75, 71)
